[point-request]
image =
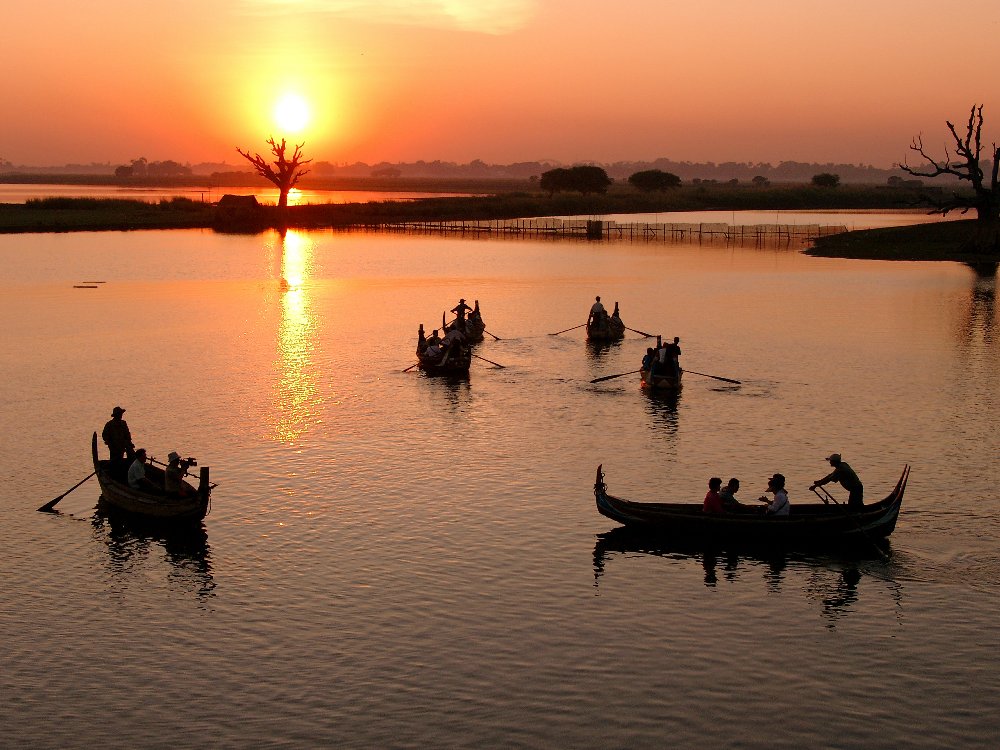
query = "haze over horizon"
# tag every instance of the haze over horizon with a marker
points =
(504, 81)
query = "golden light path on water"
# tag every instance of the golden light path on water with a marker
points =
(296, 397)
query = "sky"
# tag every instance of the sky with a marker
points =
(839, 81)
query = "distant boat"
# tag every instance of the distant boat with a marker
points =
(474, 326)
(807, 523)
(604, 327)
(117, 495)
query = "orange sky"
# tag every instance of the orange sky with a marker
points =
(498, 80)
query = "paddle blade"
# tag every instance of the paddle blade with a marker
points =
(47, 508)
(52, 503)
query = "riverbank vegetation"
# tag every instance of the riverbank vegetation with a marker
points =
(67, 214)
(103, 214)
(936, 241)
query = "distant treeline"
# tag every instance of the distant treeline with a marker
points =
(786, 171)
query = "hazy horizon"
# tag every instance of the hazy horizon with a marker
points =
(502, 81)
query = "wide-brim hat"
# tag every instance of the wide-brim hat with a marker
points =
(117, 410)
(173, 456)
(777, 479)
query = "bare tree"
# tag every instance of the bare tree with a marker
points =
(285, 173)
(966, 164)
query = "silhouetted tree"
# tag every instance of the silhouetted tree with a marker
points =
(967, 164)
(286, 172)
(654, 179)
(578, 179)
(761, 181)
(825, 179)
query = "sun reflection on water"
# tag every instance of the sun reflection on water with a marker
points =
(296, 398)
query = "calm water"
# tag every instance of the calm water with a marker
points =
(397, 561)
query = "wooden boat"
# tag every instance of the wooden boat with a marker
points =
(810, 523)
(663, 382)
(606, 327)
(455, 360)
(118, 496)
(474, 326)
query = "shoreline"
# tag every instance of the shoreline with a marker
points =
(936, 241)
(939, 241)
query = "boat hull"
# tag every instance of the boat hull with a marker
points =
(807, 524)
(661, 382)
(609, 329)
(455, 365)
(117, 496)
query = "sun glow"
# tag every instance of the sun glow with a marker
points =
(291, 113)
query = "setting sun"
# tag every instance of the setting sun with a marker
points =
(291, 113)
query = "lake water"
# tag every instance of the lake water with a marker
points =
(395, 561)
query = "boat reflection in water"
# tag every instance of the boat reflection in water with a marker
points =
(136, 546)
(662, 405)
(832, 579)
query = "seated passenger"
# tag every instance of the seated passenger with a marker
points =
(137, 479)
(173, 475)
(647, 361)
(728, 495)
(779, 506)
(713, 503)
(453, 336)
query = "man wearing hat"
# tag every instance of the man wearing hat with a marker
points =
(844, 474)
(118, 439)
(173, 475)
(460, 310)
(779, 506)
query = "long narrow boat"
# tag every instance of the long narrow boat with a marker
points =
(604, 327)
(807, 523)
(117, 495)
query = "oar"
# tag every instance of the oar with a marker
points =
(824, 499)
(490, 361)
(411, 367)
(641, 333)
(52, 503)
(568, 329)
(717, 377)
(612, 377)
(494, 336)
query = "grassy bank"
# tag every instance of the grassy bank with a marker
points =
(93, 214)
(69, 214)
(949, 240)
(938, 241)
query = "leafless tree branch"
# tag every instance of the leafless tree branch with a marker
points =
(286, 172)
